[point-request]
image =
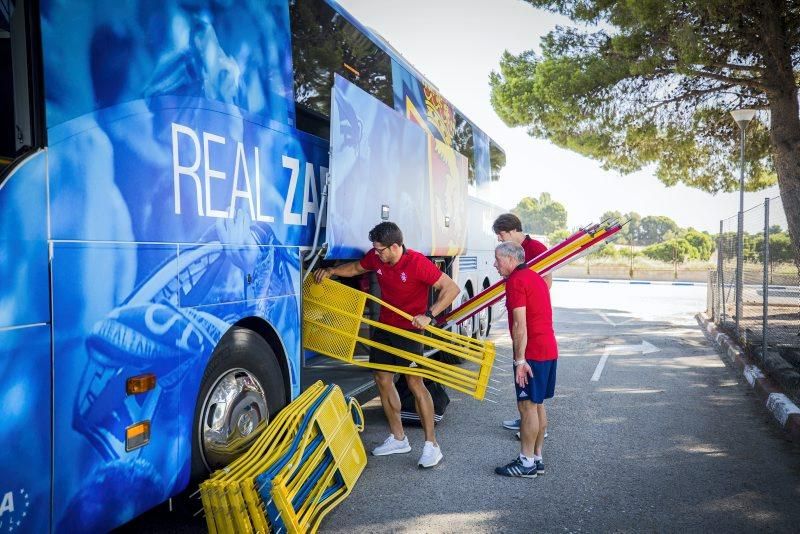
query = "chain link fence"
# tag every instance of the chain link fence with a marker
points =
(762, 310)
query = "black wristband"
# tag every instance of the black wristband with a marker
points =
(429, 313)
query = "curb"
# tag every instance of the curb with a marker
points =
(633, 282)
(785, 412)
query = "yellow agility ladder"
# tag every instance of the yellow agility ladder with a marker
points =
(304, 463)
(333, 315)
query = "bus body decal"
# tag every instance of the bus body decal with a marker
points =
(379, 159)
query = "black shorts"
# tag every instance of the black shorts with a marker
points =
(385, 337)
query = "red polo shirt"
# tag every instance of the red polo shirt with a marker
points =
(526, 288)
(532, 248)
(404, 285)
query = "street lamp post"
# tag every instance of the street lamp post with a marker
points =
(742, 118)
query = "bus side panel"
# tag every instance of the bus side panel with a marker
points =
(101, 339)
(100, 54)
(214, 178)
(253, 281)
(281, 312)
(380, 160)
(25, 432)
(24, 294)
(25, 400)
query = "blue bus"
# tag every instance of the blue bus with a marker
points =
(168, 170)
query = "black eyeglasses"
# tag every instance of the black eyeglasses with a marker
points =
(379, 250)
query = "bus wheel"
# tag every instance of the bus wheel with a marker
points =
(242, 389)
(467, 328)
(483, 319)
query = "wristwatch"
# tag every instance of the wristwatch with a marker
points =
(520, 362)
(429, 313)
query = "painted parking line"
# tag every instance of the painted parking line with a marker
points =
(644, 347)
(600, 365)
(629, 282)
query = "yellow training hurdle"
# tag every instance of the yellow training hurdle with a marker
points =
(303, 464)
(333, 315)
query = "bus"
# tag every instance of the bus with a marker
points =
(168, 172)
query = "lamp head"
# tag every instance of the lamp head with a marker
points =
(743, 116)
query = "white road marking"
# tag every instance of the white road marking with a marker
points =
(604, 317)
(600, 365)
(644, 347)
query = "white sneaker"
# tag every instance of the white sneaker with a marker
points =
(392, 446)
(431, 455)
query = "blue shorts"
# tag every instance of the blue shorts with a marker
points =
(542, 385)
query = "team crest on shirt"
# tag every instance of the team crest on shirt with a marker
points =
(403, 276)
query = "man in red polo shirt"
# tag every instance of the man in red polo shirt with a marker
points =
(508, 227)
(530, 320)
(405, 277)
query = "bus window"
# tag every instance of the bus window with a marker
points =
(463, 143)
(6, 88)
(324, 43)
(17, 118)
(498, 160)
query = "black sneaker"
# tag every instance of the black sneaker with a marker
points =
(539, 467)
(516, 469)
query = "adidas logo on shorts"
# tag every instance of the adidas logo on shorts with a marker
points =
(523, 394)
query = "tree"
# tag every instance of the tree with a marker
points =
(558, 236)
(675, 250)
(629, 235)
(700, 241)
(654, 83)
(541, 216)
(654, 228)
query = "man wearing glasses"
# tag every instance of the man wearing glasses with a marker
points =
(405, 278)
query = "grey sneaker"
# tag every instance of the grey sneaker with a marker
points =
(516, 469)
(392, 446)
(511, 424)
(431, 455)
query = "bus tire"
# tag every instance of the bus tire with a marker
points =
(253, 393)
(483, 323)
(483, 320)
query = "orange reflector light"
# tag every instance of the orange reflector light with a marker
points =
(137, 435)
(351, 69)
(140, 384)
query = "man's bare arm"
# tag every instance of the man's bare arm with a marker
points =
(519, 333)
(447, 291)
(345, 270)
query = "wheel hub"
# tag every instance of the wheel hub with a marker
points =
(233, 410)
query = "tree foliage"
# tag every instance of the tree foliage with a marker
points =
(656, 228)
(651, 83)
(542, 216)
(702, 242)
(676, 250)
(780, 247)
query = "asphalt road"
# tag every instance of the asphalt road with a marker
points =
(667, 438)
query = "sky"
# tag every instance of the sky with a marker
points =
(457, 43)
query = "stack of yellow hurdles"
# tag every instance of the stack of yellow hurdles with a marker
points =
(302, 465)
(333, 315)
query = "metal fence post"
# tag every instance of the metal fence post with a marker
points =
(720, 276)
(739, 273)
(765, 285)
